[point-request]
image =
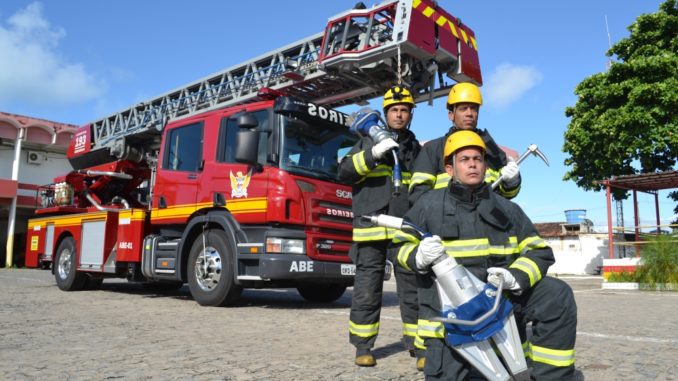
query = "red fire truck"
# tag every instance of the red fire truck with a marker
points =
(230, 182)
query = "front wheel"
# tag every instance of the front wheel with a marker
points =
(65, 273)
(210, 270)
(325, 293)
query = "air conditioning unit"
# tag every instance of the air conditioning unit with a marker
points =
(36, 158)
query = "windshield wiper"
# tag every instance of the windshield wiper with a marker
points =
(313, 172)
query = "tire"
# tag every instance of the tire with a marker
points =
(65, 273)
(210, 270)
(318, 293)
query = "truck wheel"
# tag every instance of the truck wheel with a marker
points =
(210, 270)
(67, 277)
(321, 293)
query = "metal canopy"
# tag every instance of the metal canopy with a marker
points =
(645, 182)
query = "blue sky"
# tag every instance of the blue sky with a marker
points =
(80, 60)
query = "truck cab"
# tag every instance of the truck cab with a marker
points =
(241, 197)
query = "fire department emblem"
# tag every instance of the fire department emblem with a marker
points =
(239, 183)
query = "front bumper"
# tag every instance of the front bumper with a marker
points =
(283, 267)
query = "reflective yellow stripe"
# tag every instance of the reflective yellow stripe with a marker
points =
(363, 330)
(359, 163)
(379, 171)
(430, 329)
(406, 177)
(404, 253)
(508, 193)
(509, 248)
(480, 247)
(491, 175)
(409, 330)
(383, 170)
(528, 266)
(422, 178)
(467, 247)
(530, 243)
(372, 234)
(419, 343)
(400, 236)
(553, 357)
(442, 180)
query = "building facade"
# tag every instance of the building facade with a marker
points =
(40, 156)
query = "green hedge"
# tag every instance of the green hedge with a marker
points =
(659, 265)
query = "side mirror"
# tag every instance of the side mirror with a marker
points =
(247, 147)
(247, 121)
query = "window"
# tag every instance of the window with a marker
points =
(183, 148)
(228, 132)
(314, 150)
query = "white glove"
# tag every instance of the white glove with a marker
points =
(379, 149)
(510, 282)
(430, 248)
(510, 173)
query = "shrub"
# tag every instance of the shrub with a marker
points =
(659, 267)
(621, 277)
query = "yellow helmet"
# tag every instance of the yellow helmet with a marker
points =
(462, 139)
(464, 92)
(398, 95)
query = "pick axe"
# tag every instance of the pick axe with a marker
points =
(532, 149)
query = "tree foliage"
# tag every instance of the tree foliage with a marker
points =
(625, 120)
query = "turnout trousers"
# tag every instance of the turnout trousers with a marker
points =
(549, 344)
(370, 261)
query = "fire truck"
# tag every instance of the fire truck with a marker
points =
(230, 182)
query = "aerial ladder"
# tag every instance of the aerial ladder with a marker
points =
(361, 53)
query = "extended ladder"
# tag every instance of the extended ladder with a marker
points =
(361, 54)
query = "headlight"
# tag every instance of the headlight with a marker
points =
(285, 245)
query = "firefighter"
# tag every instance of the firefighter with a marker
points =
(492, 237)
(368, 166)
(463, 105)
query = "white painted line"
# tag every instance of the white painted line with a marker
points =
(642, 339)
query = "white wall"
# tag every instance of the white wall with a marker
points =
(55, 164)
(578, 255)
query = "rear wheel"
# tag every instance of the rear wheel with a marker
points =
(65, 273)
(210, 270)
(325, 293)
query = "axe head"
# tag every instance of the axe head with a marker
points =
(536, 152)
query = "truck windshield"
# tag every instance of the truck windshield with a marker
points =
(314, 150)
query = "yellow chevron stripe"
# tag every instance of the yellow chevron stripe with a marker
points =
(442, 20)
(453, 29)
(463, 34)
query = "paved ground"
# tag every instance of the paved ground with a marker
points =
(123, 332)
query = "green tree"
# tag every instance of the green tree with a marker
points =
(626, 119)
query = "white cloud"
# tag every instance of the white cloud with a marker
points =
(508, 83)
(33, 71)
